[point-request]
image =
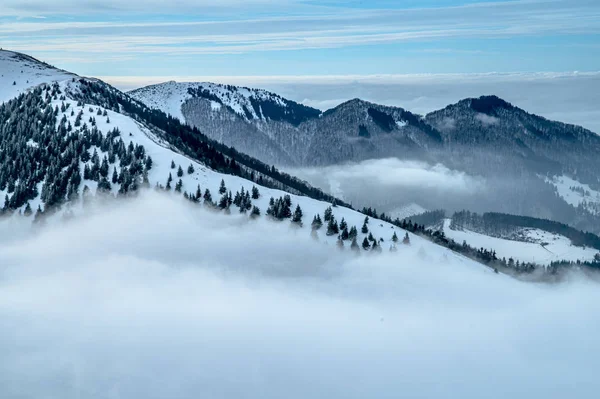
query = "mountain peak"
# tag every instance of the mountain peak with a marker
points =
(20, 72)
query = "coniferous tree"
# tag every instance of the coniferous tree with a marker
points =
(179, 171)
(353, 233)
(255, 212)
(364, 228)
(224, 201)
(345, 235)
(198, 195)
(297, 218)
(343, 224)
(27, 211)
(115, 175)
(169, 180)
(317, 222)
(340, 243)
(255, 193)
(207, 197)
(332, 227)
(406, 239)
(222, 188)
(190, 169)
(365, 244)
(328, 214)
(172, 164)
(371, 238)
(395, 237)
(178, 186)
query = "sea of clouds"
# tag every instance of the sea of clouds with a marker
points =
(155, 298)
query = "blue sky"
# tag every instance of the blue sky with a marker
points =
(304, 37)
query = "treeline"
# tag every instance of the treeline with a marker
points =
(502, 224)
(189, 139)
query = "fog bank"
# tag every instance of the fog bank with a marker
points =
(154, 298)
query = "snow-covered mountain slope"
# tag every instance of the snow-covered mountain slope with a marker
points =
(484, 136)
(88, 148)
(407, 211)
(249, 104)
(544, 247)
(577, 194)
(20, 72)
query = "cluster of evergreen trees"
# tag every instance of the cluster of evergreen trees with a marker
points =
(39, 151)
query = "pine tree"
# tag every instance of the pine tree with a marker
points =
(343, 224)
(255, 193)
(255, 212)
(27, 211)
(169, 180)
(345, 235)
(365, 244)
(395, 237)
(172, 164)
(332, 227)
(198, 196)
(178, 186)
(224, 201)
(364, 228)
(222, 188)
(317, 222)
(190, 169)
(406, 239)
(353, 233)
(297, 218)
(207, 197)
(328, 215)
(179, 171)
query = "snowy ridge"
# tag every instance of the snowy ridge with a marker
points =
(543, 247)
(170, 96)
(19, 73)
(186, 173)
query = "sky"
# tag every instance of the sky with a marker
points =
(541, 55)
(304, 37)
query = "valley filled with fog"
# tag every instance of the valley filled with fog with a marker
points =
(154, 297)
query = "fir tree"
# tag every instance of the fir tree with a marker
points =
(190, 169)
(317, 222)
(178, 186)
(169, 180)
(332, 227)
(365, 244)
(179, 171)
(297, 218)
(207, 197)
(364, 228)
(395, 237)
(172, 164)
(371, 238)
(255, 193)
(115, 175)
(345, 235)
(353, 233)
(406, 239)
(27, 211)
(222, 188)
(255, 212)
(328, 215)
(343, 224)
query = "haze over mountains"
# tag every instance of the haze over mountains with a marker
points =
(518, 155)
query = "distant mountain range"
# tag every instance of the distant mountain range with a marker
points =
(519, 154)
